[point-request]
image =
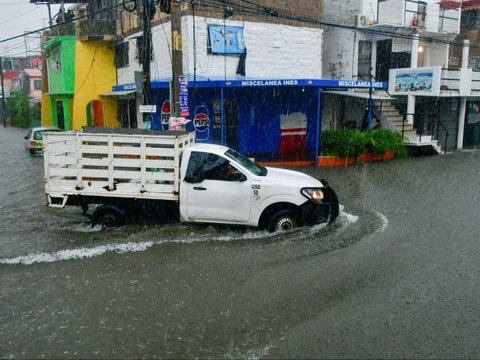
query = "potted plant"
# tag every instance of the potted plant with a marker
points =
(349, 146)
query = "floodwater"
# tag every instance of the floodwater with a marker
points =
(396, 275)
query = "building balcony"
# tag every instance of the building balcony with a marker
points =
(429, 16)
(465, 82)
(97, 29)
(88, 29)
(63, 29)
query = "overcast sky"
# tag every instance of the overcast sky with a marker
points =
(17, 17)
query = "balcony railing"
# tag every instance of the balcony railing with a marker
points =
(97, 28)
(419, 14)
(63, 29)
(87, 29)
(463, 81)
(475, 80)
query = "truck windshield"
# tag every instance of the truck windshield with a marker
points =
(246, 163)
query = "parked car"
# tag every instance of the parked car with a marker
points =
(34, 139)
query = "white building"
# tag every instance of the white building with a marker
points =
(372, 38)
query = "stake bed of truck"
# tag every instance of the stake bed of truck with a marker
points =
(164, 175)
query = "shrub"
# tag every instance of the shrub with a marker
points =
(20, 110)
(351, 143)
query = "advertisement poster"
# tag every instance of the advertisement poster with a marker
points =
(201, 123)
(183, 96)
(414, 81)
(165, 114)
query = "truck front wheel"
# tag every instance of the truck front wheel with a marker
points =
(282, 220)
(109, 216)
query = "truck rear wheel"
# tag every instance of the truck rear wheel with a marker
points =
(109, 216)
(282, 220)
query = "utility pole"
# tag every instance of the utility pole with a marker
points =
(148, 13)
(50, 22)
(4, 115)
(177, 66)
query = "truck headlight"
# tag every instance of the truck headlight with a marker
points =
(314, 194)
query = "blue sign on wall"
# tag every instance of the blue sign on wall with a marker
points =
(226, 39)
(183, 96)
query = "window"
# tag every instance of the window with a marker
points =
(56, 60)
(226, 40)
(472, 19)
(245, 162)
(206, 166)
(37, 84)
(474, 63)
(364, 59)
(121, 55)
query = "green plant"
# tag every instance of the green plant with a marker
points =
(20, 110)
(351, 143)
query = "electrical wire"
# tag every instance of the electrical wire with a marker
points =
(259, 9)
(274, 12)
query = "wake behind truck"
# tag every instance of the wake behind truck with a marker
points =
(131, 175)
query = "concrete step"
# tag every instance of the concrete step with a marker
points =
(396, 119)
(426, 140)
(390, 112)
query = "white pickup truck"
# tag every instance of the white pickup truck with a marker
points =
(135, 175)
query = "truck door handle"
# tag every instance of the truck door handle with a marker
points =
(199, 188)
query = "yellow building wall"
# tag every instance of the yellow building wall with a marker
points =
(95, 74)
(46, 111)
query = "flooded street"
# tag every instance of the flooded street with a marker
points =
(396, 275)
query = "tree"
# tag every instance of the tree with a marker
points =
(18, 106)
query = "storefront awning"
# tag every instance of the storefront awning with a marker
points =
(363, 95)
(118, 93)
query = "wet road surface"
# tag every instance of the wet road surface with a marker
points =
(397, 275)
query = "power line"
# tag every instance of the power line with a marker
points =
(66, 22)
(278, 13)
(255, 8)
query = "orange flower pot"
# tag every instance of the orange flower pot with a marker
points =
(330, 161)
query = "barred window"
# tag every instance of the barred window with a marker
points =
(121, 54)
(474, 63)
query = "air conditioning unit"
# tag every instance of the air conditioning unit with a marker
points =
(361, 20)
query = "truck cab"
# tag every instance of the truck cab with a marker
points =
(219, 185)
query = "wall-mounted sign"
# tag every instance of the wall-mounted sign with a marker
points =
(226, 39)
(201, 122)
(183, 94)
(124, 87)
(148, 108)
(415, 81)
(165, 115)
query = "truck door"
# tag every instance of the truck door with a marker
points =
(216, 191)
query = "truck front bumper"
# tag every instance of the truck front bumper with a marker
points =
(312, 213)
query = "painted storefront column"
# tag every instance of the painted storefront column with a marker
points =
(463, 100)
(413, 64)
(318, 126)
(53, 107)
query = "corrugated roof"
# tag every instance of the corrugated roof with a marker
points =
(33, 72)
(11, 74)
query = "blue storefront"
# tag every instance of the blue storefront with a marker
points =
(270, 120)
